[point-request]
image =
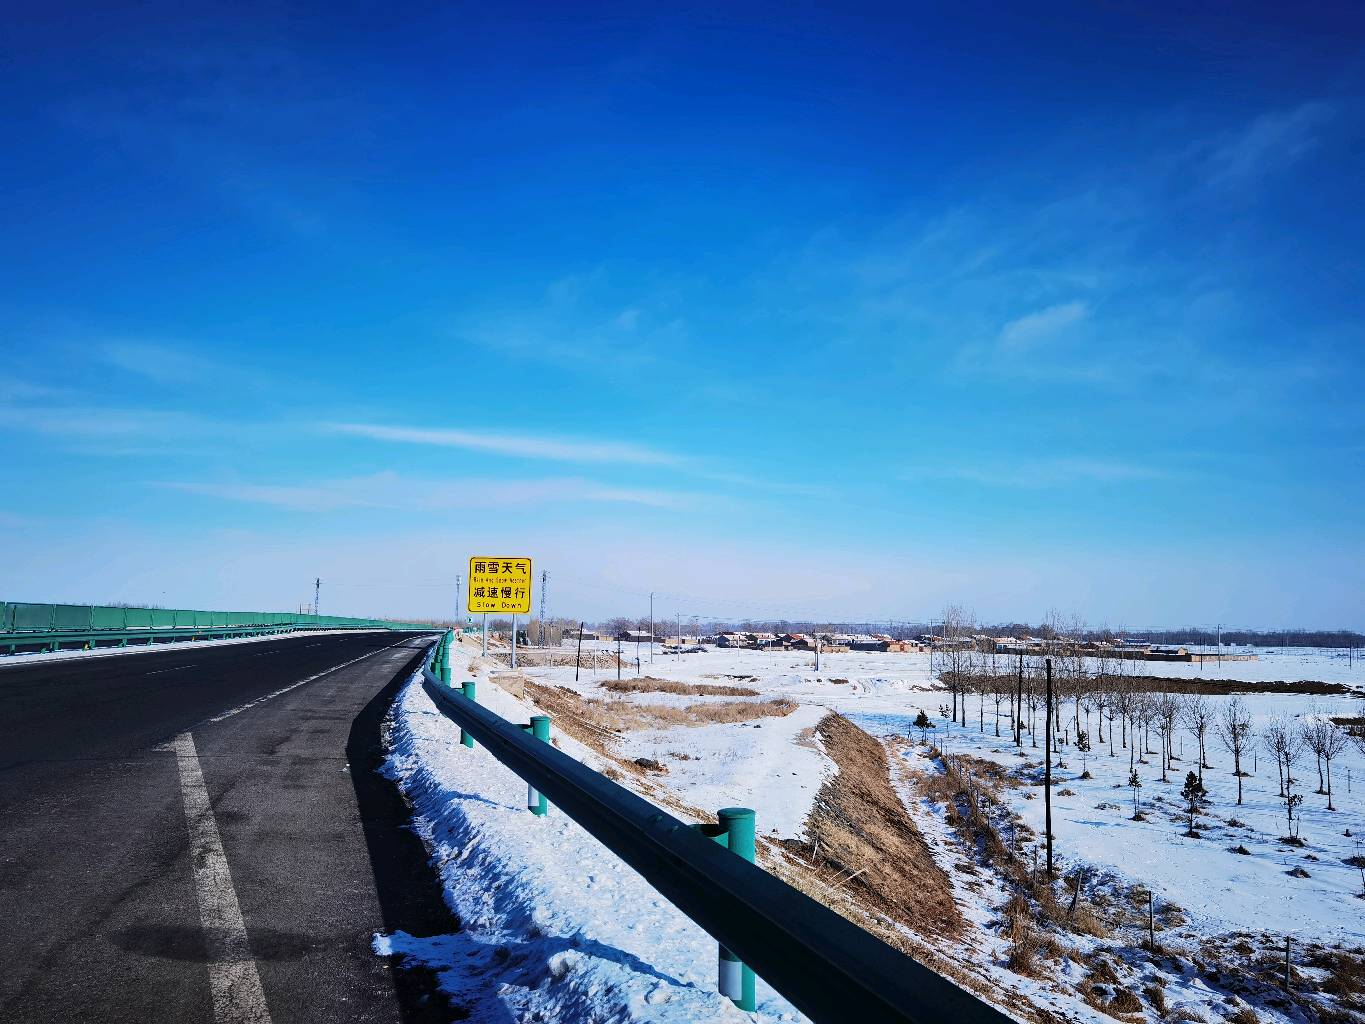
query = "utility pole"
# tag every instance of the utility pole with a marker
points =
(1047, 773)
(651, 627)
(458, 611)
(317, 592)
(544, 576)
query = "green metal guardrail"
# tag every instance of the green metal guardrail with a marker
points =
(49, 626)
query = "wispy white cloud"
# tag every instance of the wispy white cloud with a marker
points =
(555, 449)
(157, 361)
(86, 422)
(1026, 331)
(27, 391)
(586, 322)
(1272, 142)
(392, 491)
(1048, 472)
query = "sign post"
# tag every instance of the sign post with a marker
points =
(500, 586)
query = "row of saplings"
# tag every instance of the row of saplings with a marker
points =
(1101, 988)
(1286, 742)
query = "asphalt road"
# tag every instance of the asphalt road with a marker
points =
(182, 841)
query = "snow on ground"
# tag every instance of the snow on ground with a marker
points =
(555, 926)
(768, 770)
(29, 658)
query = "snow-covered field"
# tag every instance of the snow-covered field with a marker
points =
(496, 862)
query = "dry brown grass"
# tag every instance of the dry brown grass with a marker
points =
(1124, 1004)
(1023, 955)
(1156, 995)
(597, 723)
(717, 713)
(1102, 972)
(967, 785)
(1245, 1015)
(861, 838)
(1345, 975)
(652, 684)
(1023, 937)
(1086, 922)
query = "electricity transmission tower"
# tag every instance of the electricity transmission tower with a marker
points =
(317, 592)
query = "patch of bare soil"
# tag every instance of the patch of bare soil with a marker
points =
(1161, 684)
(652, 684)
(861, 838)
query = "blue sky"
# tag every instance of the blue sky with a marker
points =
(771, 309)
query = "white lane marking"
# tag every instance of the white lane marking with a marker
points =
(238, 997)
(294, 686)
(163, 671)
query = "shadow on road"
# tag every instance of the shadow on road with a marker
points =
(409, 891)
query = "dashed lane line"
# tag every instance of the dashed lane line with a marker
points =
(294, 686)
(234, 983)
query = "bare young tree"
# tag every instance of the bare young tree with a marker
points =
(1284, 744)
(1197, 714)
(1167, 711)
(1233, 726)
(1322, 736)
(950, 658)
(1033, 697)
(1122, 701)
(1143, 712)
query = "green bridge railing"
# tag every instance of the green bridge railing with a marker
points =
(50, 626)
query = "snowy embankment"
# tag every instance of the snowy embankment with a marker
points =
(554, 926)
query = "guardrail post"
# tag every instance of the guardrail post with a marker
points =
(469, 690)
(736, 979)
(535, 800)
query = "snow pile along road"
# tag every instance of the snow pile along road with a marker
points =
(554, 926)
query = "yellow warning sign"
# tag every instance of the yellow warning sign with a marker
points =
(501, 585)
